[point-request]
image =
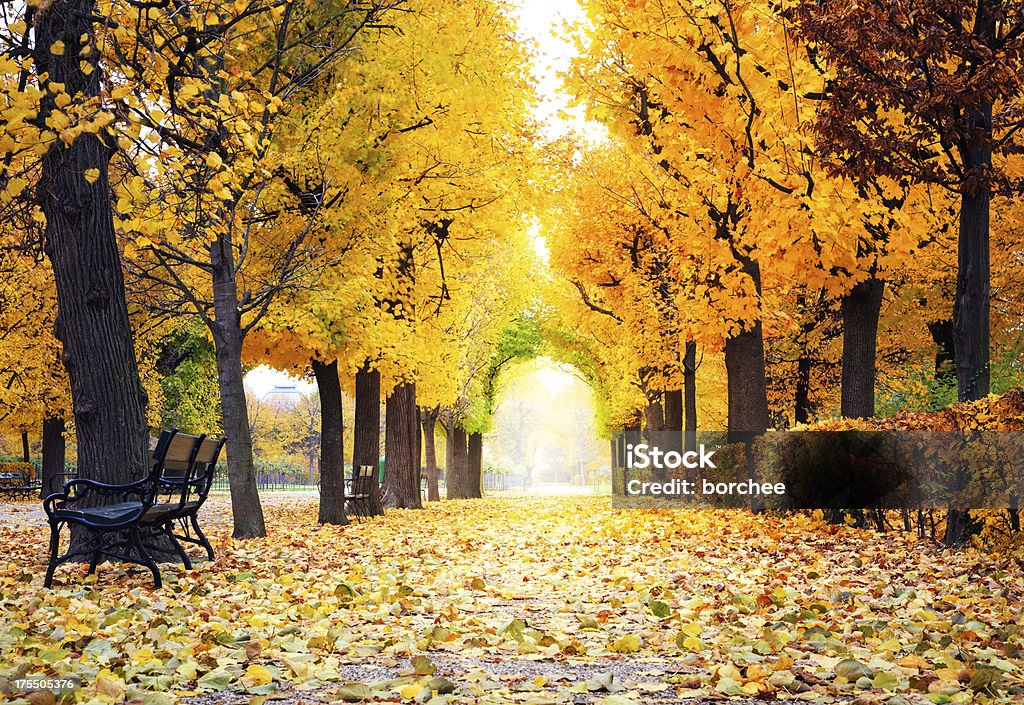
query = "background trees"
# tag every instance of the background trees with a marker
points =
(930, 94)
(763, 237)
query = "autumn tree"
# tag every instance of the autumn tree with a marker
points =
(58, 136)
(419, 143)
(931, 94)
(34, 390)
(222, 229)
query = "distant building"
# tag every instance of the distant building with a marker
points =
(283, 395)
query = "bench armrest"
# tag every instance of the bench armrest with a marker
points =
(79, 488)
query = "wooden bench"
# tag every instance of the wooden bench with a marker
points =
(18, 484)
(358, 491)
(124, 521)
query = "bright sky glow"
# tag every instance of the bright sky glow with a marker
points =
(262, 380)
(548, 26)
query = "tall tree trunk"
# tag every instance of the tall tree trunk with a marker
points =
(861, 308)
(672, 402)
(654, 425)
(748, 389)
(673, 407)
(25, 455)
(973, 281)
(744, 365)
(690, 395)
(332, 463)
(971, 306)
(654, 418)
(108, 399)
(247, 513)
(458, 470)
(366, 434)
(402, 450)
(54, 455)
(747, 396)
(802, 395)
(428, 417)
(475, 463)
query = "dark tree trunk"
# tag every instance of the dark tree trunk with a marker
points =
(945, 352)
(25, 455)
(54, 455)
(475, 463)
(366, 434)
(109, 402)
(332, 463)
(458, 463)
(246, 511)
(654, 425)
(654, 418)
(401, 450)
(971, 306)
(861, 308)
(747, 396)
(690, 396)
(744, 365)
(673, 407)
(428, 417)
(973, 281)
(802, 397)
(748, 390)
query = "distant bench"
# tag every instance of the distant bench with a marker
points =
(17, 480)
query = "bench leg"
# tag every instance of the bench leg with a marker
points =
(95, 560)
(204, 542)
(146, 559)
(54, 548)
(169, 532)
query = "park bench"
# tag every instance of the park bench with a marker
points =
(358, 493)
(122, 521)
(182, 512)
(18, 484)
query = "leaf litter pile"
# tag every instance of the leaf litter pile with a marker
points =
(531, 600)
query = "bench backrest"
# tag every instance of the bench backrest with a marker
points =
(205, 468)
(174, 464)
(362, 480)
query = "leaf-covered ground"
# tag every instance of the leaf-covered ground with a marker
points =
(532, 600)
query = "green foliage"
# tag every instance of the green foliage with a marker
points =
(189, 380)
(521, 340)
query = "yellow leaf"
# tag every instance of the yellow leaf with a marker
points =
(692, 643)
(625, 645)
(16, 186)
(57, 48)
(256, 675)
(91, 175)
(410, 691)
